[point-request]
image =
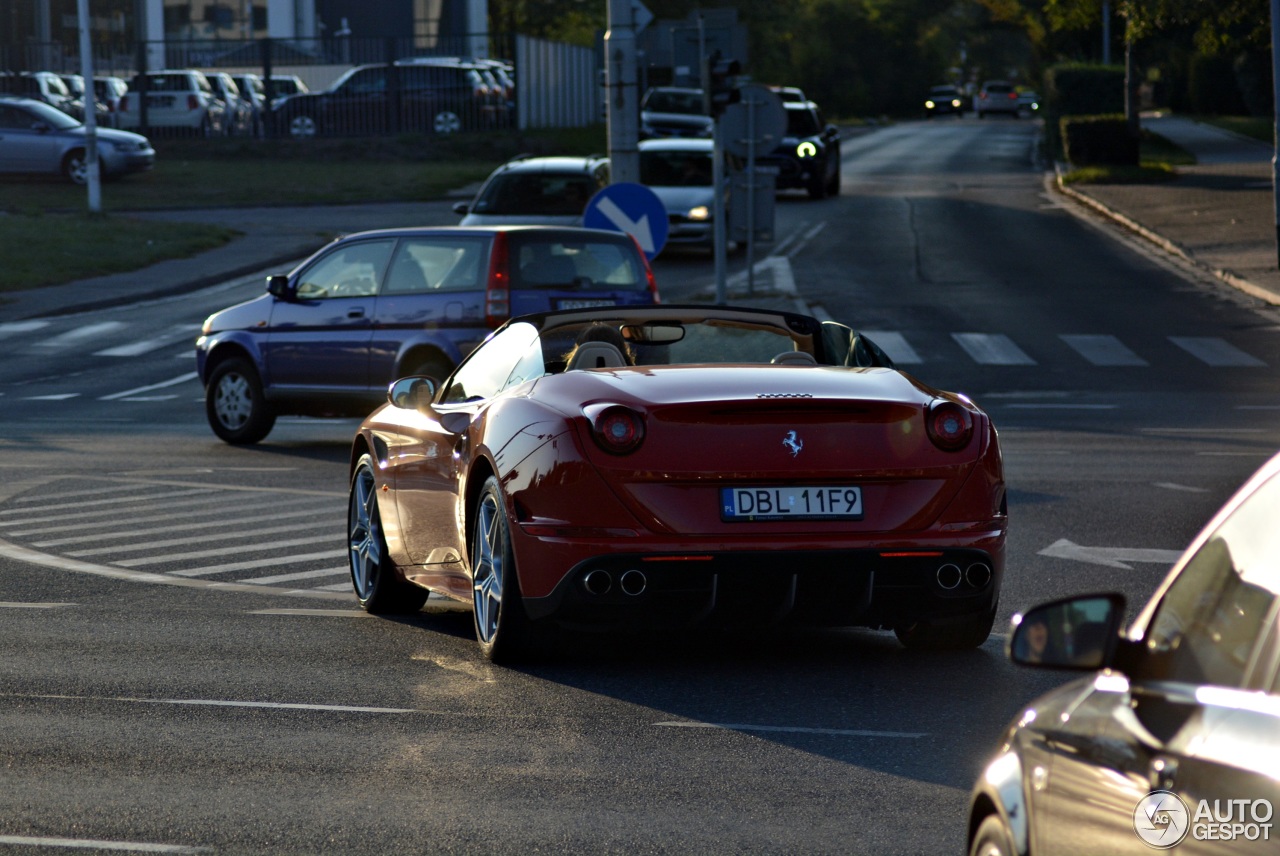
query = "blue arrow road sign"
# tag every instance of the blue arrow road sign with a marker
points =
(631, 208)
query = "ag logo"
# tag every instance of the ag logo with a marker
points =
(1161, 819)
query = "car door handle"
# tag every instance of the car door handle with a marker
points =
(1162, 772)
(358, 312)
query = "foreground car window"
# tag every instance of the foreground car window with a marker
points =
(1211, 619)
(351, 271)
(486, 371)
(675, 169)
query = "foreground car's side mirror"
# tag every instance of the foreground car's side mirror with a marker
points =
(278, 286)
(1078, 633)
(411, 393)
(460, 208)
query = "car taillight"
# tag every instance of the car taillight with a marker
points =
(497, 293)
(949, 425)
(1013, 95)
(617, 429)
(650, 279)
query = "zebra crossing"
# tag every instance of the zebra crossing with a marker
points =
(226, 535)
(909, 348)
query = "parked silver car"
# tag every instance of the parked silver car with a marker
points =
(177, 100)
(679, 171)
(36, 138)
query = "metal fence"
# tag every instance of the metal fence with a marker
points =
(404, 84)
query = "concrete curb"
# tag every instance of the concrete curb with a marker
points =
(1053, 181)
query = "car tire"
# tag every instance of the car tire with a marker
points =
(303, 127)
(446, 122)
(502, 628)
(75, 166)
(992, 838)
(235, 405)
(373, 576)
(954, 635)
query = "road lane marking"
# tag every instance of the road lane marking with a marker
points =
(209, 702)
(97, 491)
(1111, 557)
(136, 349)
(1215, 352)
(240, 549)
(162, 385)
(204, 538)
(895, 345)
(1103, 350)
(88, 331)
(180, 527)
(300, 575)
(324, 613)
(57, 397)
(12, 327)
(153, 503)
(47, 560)
(794, 729)
(992, 349)
(115, 500)
(93, 844)
(15, 605)
(1182, 487)
(256, 563)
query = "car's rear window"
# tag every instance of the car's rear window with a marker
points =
(660, 101)
(533, 193)
(580, 264)
(676, 168)
(802, 123)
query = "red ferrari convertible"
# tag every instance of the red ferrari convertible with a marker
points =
(671, 465)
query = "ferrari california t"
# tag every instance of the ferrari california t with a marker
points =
(663, 466)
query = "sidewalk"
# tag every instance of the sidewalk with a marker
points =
(1218, 214)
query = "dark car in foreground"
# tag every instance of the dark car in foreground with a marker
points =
(40, 140)
(657, 467)
(1172, 739)
(327, 338)
(809, 156)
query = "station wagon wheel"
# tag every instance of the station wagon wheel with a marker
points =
(446, 122)
(303, 127)
(75, 166)
(235, 405)
(373, 574)
(501, 626)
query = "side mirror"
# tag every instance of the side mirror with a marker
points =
(1078, 633)
(278, 286)
(460, 208)
(411, 393)
(831, 132)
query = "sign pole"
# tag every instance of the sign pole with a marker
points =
(93, 179)
(624, 105)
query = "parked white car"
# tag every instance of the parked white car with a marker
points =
(179, 100)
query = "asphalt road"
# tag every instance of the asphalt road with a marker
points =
(185, 669)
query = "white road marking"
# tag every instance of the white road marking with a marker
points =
(895, 345)
(794, 729)
(1215, 352)
(135, 349)
(1103, 350)
(203, 498)
(301, 575)
(1111, 557)
(185, 526)
(12, 327)
(92, 844)
(80, 333)
(992, 349)
(60, 397)
(256, 563)
(208, 702)
(205, 538)
(162, 385)
(1181, 487)
(97, 491)
(324, 613)
(115, 500)
(14, 605)
(225, 551)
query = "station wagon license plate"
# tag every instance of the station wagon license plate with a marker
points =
(740, 504)
(583, 304)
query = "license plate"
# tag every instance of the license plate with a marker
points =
(583, 304)
(739, 504)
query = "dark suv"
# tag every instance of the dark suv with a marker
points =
(809, 156)
(428, 95)
(328, 338)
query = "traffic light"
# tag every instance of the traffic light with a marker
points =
(722, 83)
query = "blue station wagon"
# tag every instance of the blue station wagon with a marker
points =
(371, 307)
